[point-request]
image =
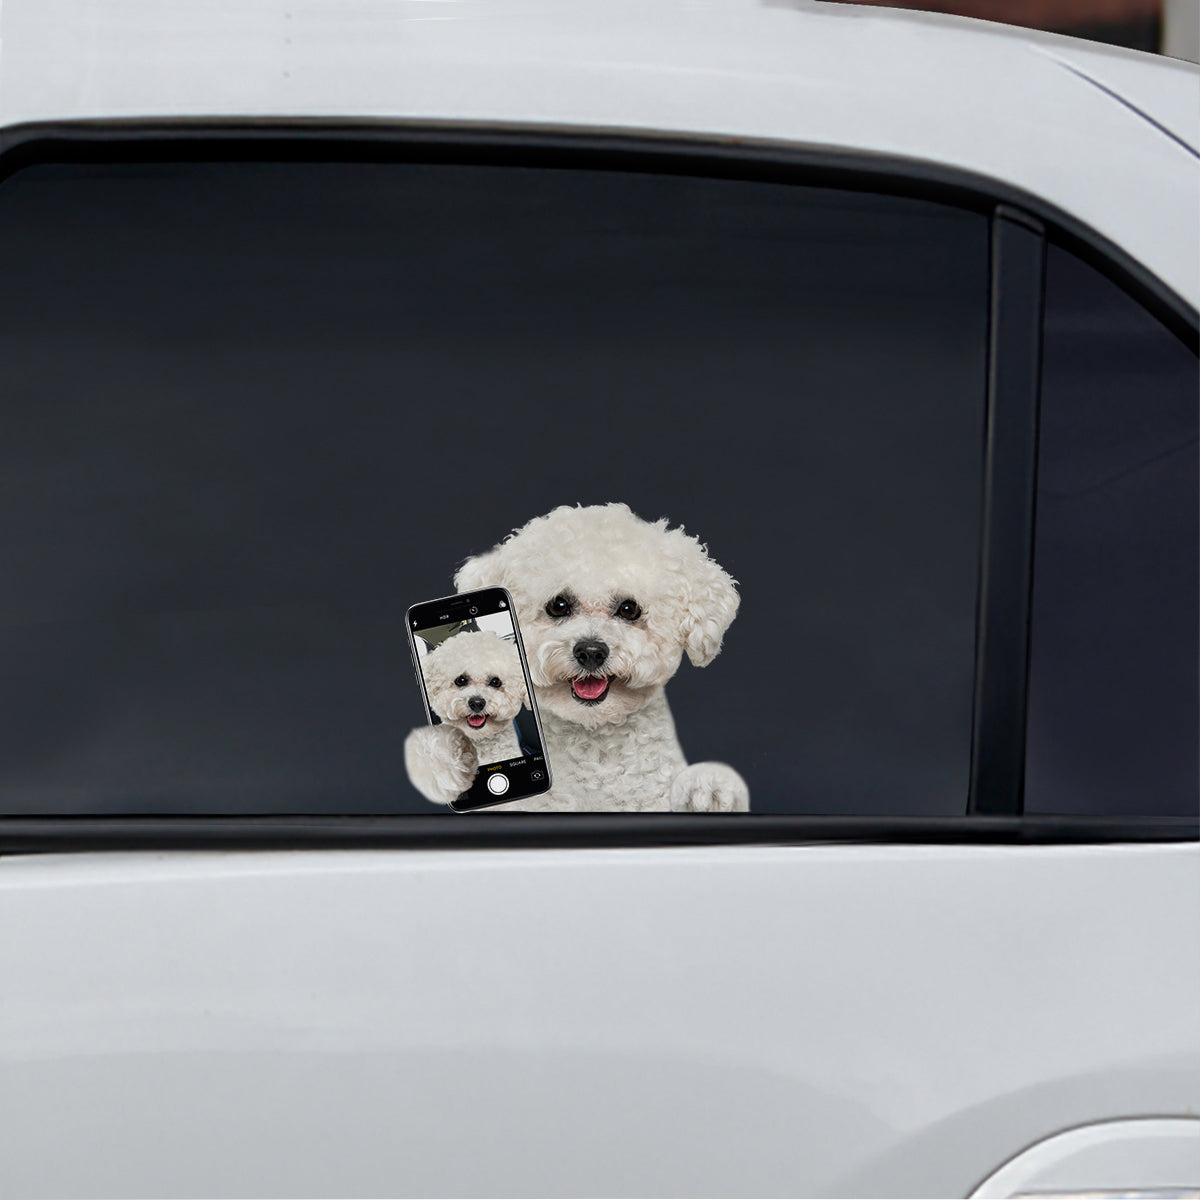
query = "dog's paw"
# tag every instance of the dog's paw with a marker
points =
(709, 788)
(441, 762)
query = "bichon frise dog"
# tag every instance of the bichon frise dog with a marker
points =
(476, 686)
(608, 605)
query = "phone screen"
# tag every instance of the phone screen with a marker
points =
(471, 665)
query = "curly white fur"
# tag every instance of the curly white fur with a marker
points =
(631, 598)
(476, 686)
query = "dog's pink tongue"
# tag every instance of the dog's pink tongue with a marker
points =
(476, 722)
(589, 689)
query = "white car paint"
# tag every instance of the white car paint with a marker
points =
(1006, 104)
(807, 1019)
(765, 1021)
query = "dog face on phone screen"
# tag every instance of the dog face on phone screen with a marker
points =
(475, 683)
(608, 605)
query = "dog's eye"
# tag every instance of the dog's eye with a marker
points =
(462, 681)
(560, 606)
(629, 610)
(494, 682)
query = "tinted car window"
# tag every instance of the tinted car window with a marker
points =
(1114, 686)
(253, 411)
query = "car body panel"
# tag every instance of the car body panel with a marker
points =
(978, 97)
(1169, 97)
(831, 1020)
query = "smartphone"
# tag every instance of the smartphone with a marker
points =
(471, 667)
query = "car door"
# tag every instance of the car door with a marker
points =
(265, 392)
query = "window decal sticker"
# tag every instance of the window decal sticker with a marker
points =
(608, 604)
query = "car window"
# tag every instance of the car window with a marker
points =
(253, 411)
(1113, 686)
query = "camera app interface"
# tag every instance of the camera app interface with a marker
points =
(474, 681)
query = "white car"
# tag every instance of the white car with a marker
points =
(301, 305)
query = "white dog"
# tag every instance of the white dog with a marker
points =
(476, 686)
(608, 605)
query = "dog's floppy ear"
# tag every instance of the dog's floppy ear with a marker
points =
(484, 570)
(711, 605)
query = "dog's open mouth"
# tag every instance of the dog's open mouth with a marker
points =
(591, 689)
(477, 720)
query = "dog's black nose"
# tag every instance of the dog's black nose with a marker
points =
(477, 704)
(590, 655)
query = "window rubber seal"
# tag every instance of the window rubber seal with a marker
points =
(569, 831)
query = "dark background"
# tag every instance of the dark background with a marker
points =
(1114, 681)
(252, 412)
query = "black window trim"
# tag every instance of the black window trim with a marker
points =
(481, 830)
(1018, 267)
(1020, 226)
